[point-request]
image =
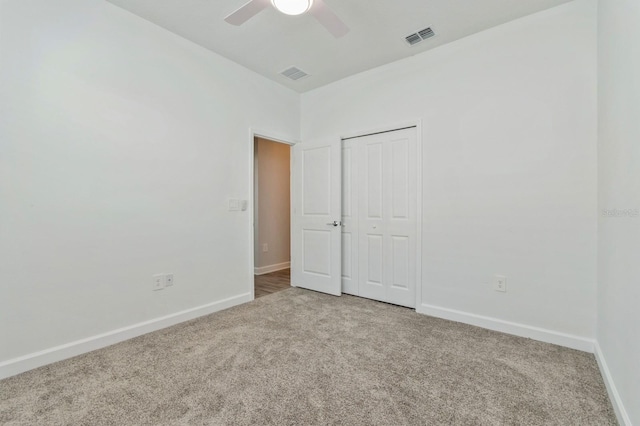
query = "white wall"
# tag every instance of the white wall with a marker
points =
(274, 203)
(619, 188)
(509, 163)
(120, 145)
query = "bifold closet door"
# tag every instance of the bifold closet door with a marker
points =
(385, 189)
(350, 263)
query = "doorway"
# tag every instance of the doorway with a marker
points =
(272, 216)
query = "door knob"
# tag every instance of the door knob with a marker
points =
(334, 223)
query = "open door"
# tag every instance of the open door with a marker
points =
(316, 212)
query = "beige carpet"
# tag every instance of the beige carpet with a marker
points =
(299, 357)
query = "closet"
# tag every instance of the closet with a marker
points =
(379, 216)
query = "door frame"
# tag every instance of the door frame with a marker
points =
(419, 133)
(257, 133)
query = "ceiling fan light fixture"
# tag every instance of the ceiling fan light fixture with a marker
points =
(292, 7)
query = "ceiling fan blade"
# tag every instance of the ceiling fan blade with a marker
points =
(246, 12)
(328, 19)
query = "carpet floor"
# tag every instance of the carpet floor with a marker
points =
(299, 357)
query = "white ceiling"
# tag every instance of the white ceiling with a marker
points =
(271, 42)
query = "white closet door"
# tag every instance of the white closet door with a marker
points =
(387, 215)
(349, 219)
(316, 237)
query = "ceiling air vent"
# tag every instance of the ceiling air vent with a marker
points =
(426, 33)
(294, 73)
(413, 39)
(421, 35)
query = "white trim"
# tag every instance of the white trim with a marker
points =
(419, 190)
(522, 330)
(614, 396)
(38, 359)
(272, 136)
(271, 268)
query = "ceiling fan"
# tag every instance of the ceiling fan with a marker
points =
(317, 8)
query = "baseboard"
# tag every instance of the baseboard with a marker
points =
(271, 268)
(522, 330)
(614, 396)
(38, 359)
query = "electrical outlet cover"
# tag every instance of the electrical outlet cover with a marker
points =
(158, 282)
(500, 283)
(168, 280)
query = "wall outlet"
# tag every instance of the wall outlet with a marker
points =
(168, 280)
(238, 205)
(265, 247)
(500, 283)
(158, 282)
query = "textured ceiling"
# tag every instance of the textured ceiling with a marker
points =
(271, 42)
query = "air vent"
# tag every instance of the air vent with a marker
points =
(294, 73)
(421, 35)
(413, 39)
(426, 33)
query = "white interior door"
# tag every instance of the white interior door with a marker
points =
(380, 235)
(316, 236)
